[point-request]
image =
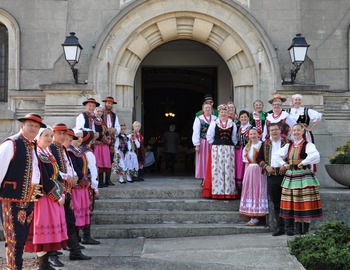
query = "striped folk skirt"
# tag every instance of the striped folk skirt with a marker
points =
(300, 196)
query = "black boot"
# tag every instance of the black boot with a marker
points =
(78, 235)
(280, 227)
(77, 255)
(305, 227)
(44, 263)
(54, 260)
(140, 175)
(298, 229)
(108, 179)
(100, 180)
(87, 239)
(290, 226)
(74, 249)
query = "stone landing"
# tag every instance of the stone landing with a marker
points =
(165, 207)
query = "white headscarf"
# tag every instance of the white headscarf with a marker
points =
(77, 131)
(297, 96)
(41, 130)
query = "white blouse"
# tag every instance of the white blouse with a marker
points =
(313, 156)
(197, 128)
(313, 115)
(211, 130)
(255, 147)
(290, 121)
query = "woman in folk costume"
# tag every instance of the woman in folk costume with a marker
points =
(101, 150)
(300, 196)
(125, 158)
(199, 139)
(309, 118)
(254, 202)
(242, 140)
(258, 116)
(232, 113)
(48, 232)
(80, 193)
(305, 116)
(277, 115)
(219, 180)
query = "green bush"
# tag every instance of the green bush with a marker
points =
(327, 249)
(343, 154)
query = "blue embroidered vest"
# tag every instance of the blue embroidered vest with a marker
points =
(17, 182)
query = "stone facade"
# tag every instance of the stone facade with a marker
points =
(250, 36)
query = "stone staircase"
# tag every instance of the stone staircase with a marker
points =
(165, 208)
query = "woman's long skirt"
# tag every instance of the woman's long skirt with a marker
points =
(300, 196)
(254, 201)
(48, 230)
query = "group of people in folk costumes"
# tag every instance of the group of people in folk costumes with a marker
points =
(50, 178)
(255, 154)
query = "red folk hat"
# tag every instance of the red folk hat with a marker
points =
(111, 99)
(70, 132)
(88, 135)
(33, 117)
(60, 127)
(91, 100)
(283, 99)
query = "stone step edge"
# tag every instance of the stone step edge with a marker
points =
(157, 212)
(178, 225)
(189, 200)
(172, 230)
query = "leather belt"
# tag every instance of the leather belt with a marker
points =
(295, 167)
(276, 171)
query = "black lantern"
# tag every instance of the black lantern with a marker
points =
(297, 52)
(72, 50)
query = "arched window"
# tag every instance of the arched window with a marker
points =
(4, 44)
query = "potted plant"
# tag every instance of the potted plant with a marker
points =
(339, 167)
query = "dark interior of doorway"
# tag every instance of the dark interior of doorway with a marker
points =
(178, 90)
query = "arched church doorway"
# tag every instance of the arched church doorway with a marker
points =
(173, 81)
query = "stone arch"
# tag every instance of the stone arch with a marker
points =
(14, 46)
(225, 27)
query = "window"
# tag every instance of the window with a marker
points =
(3, 62)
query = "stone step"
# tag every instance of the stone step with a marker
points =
(143, 190)
(166, 204)
(171, 230)
(165, 217)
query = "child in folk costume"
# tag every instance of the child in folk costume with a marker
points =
(101, 150)
(254, 202)
(141, 152)
(125, 158)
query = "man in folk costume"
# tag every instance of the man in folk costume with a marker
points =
(19, 178)
(70, 177)
(112, 122)
(275, 174)
(208, 99)
(86, 119)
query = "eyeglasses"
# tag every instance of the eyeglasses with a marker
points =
(276, 104)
